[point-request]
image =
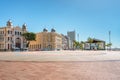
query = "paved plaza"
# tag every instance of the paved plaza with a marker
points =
(61, 56)
(60, 65)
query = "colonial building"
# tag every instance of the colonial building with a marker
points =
(65, 42)
(46, 41)
(95, 45)
(11, 37)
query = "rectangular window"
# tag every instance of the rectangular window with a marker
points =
(15, 32)
(11, 38)
(8, 46)
(8, 31)
(8, 38)
(40, 46)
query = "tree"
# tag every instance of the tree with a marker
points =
(75, 44)
(109, 45)
(81, 44)
(90, 40)
(29, 36)
(78, 45)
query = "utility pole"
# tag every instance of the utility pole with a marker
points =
(110, 39)
(78, 36)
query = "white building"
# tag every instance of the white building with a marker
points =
(11, 37)
(95, 45)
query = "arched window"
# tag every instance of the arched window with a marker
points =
(18, 33)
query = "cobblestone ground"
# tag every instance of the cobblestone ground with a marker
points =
(105, 70)
(60, 56)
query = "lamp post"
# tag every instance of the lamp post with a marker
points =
(110, 39)
(78, 36)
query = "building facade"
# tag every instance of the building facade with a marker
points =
(46, 41)
(65, 42)
(95, 45)
(71, 38)
(11, 37)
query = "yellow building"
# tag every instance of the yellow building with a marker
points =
(46, 41)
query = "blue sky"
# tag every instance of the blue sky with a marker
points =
(89, 18)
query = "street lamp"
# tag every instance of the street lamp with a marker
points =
(110, 39)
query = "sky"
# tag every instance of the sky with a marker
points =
(89, 18)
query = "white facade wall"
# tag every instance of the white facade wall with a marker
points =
(8, 38)
(87, 46)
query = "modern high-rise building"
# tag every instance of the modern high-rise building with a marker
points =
(11, 37)
(71, 36)
(46, 41)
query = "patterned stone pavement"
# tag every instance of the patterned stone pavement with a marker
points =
(61, 56)
(60, 65)
(60, 70)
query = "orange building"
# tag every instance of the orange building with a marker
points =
(46, 41)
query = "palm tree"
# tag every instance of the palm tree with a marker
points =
(75, 44)
(109, 45)
(81, 44)
(29, 36)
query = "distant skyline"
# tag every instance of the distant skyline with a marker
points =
(89, 18)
